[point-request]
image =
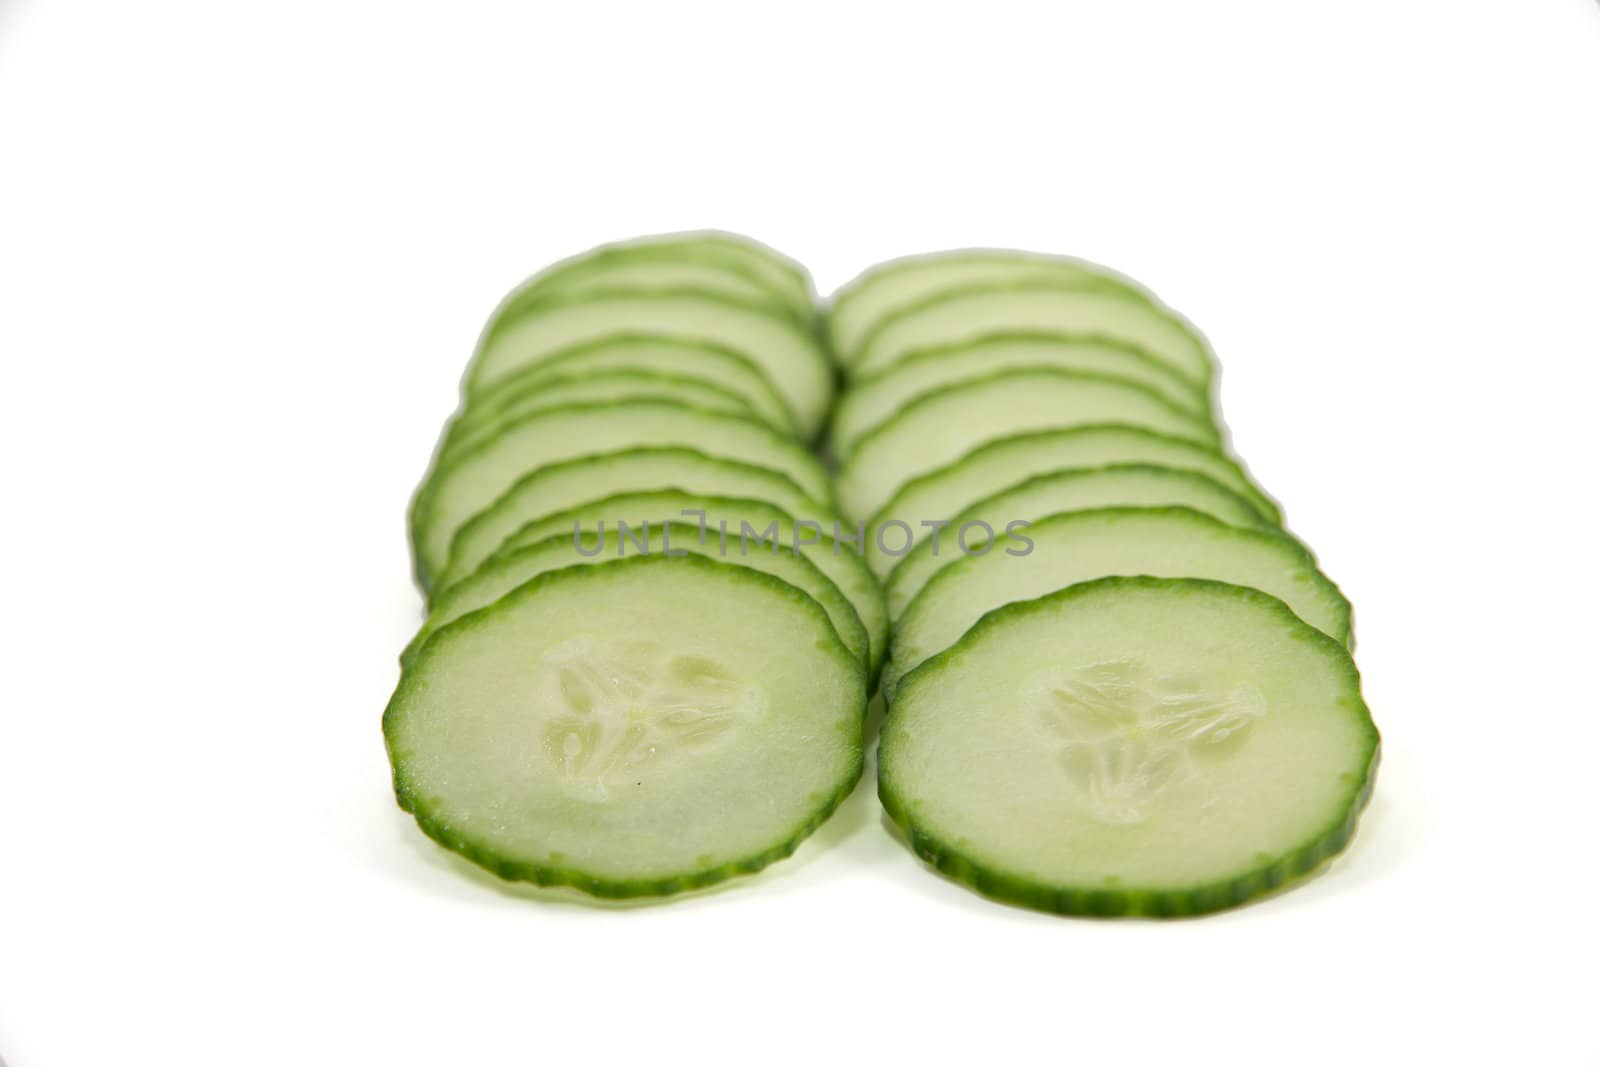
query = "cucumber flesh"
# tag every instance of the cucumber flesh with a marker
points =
(1081, 546)
(523, 333)
(1126, 485)
(1005, 462)
(1131, 746)
(571, 549)
(889, 287)
(871, 401)
(968, 313)
(466, 482)
(725, 519)
(661, 354)
(630, 729)
(557, 487)
(481, 422)
(939, 427)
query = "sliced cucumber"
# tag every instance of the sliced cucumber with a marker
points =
(735, 265)
(1084, 489)
(661, 354)
(872, 400)
(527, 331)
(945, 424)
(738, 527)
(631, 729)
(970, 312)
(484, 420)
(890, 287)
(1080, 546)
(560, 486)
(1131, 746)
(1005, 462)
(467, 481)
(570, 549)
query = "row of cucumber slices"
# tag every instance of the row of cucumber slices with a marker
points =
(1116, 685)
(646, 659)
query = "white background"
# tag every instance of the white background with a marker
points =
(245, 249)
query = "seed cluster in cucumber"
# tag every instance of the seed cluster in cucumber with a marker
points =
(646, 660)
(1116, 685)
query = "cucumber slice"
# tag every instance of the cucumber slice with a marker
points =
(662, 355)
(832, 554)
(872, 400)
(1006, 462)
(736, 265)
(560, 486)
(484, 420)
(968, 313)
(577, 732)
(635, 271)
(1086, 489)
(569, 549)
(889, 287)
(941, 426)
(529, 330)
(467, 481)
(1131, 746)
(1080, 546)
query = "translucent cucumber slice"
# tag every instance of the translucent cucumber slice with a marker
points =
(1131, 746)
(659, 271)
(570, 549)
(889, 287)
(466, 482)
(660, 354)
(480, 422)
(525, 332)
(555, 488)
(968, 313)
(1004, 463)
(725, 262)
(1084, 489)
(577, 732)
(944, 425)
(871, 401)
(736, 528)
(1080, 546)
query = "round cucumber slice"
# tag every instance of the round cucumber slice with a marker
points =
(1080, 546)
(527, 331)
(634, 270)
(661, 354)
(872, 400)
(570, 549)
(1005, 462)
(970, 312)
(1131, 746)
(1085, 489)
(941, 426)
(560, 486)
(578, 732)
(738, 528)
(736, 265)
(483, 421)
(889, 287)
(467, 481)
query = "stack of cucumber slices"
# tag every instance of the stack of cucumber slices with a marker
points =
(644, 666)
(1116, 685)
